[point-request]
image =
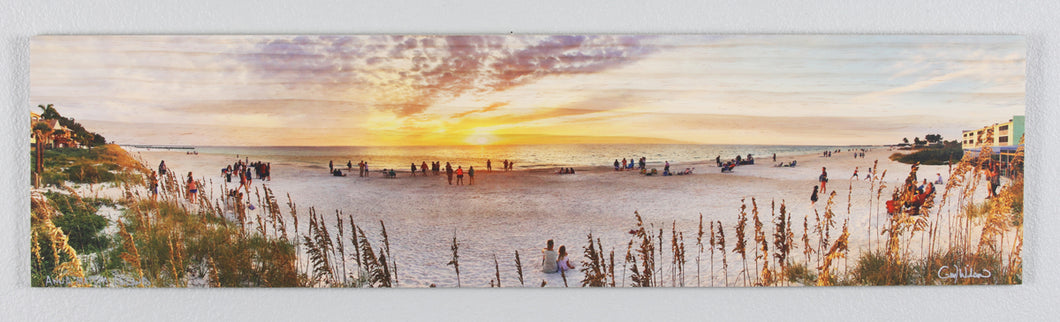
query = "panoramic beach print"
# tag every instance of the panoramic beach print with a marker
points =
(526, 161)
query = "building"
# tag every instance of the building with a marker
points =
(998, 135)
(60, 136)
(1003, 139)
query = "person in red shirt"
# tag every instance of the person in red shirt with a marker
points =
(459, 175)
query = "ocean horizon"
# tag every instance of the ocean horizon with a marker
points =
(536, 156)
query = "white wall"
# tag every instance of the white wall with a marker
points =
(1038, 20)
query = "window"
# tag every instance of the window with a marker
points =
(1002, 128)
(1003, 139)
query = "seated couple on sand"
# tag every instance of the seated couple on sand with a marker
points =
(552, 262)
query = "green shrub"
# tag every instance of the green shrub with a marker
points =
(932, 156)
(80, 222)
(89, 173)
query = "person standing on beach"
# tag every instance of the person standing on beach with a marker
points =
(449, 172)
(154, 186)
(506, 165)
(855, 176)
(470, 175)
(349, 165)
(268, 171)
(548, 258)
(774, 157)
(511, 165)
(331, 166)
(423, 168)
(623, 163)
(366, 169)
(459, 175)
(193, 188)
(824, 180)
(718, 160)
(489, 166)
(413, 169)
(162, 169)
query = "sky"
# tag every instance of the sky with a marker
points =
(386, 90)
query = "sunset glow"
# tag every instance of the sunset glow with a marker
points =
(446, 90)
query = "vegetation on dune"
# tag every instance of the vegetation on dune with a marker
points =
(947, 151)
(174, 241)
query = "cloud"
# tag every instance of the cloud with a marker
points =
(490, 108)
(407, 74)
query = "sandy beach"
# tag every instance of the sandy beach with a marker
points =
(505, 212)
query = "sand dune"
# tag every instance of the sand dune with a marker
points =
(508, 211)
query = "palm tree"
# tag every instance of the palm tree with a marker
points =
(41, 130)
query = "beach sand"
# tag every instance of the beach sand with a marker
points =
(504, 212)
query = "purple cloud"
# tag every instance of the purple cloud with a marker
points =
(411, 73)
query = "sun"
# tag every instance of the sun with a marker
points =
(481, 138)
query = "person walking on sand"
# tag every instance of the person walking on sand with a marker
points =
(824, 180)
(243, 181)
(459, 175)
(855, 176)
(548, 258)
(449, 172)
(489, 166)
(505, 165)
(813, 197)
(413, 169)
(562, 262)
(470, 175)
(511, 165)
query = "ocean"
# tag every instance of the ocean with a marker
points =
(524, 156)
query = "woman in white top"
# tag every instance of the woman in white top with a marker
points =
(548, 258)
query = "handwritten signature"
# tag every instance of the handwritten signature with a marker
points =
(118, 281)
(955, 273)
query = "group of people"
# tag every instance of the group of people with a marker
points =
(435, 167)
(552, 261)
(191, 185)
(630, 164)
(565, 171)
(738, 160)
(246, 171)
